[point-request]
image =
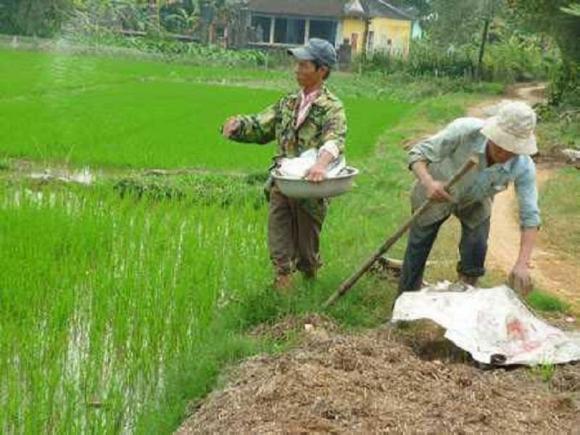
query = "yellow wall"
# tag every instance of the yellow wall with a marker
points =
(350, 26)
(398, 31)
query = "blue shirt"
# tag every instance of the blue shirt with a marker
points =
(448, 150)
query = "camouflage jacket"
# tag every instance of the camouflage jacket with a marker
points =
(325, 122)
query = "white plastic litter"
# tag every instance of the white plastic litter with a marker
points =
(493, 325)
(84, 176)
(298, 167)
(571, 155)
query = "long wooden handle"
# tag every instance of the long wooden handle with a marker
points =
(350, 282)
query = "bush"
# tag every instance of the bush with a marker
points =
(424, 59)
(564, 88)
(518, 59)
(198, 189)
(513, 59)
(171, 49)
(41, 18)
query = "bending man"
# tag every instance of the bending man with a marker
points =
(503, 145)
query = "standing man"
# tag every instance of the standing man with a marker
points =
(311, 118)
(503, 145)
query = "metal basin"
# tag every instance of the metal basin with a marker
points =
(300, 188)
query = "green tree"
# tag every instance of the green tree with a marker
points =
(33, 17)
(573, 9)
(455, 22)
(459, 22)
(423, 8)
(553, 18)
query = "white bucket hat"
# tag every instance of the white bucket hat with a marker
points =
(513, 128)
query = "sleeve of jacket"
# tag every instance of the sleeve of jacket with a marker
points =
(334, 127)
(527, 194)
(259, 128)
(444, 143)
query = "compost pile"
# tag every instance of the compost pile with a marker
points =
(386, 379)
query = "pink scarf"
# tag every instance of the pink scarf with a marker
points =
(306, 101)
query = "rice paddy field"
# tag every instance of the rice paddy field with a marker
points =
(114, 112)
(117, 309)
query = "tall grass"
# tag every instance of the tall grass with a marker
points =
(560, 209)
(114, 308)
(99, 294)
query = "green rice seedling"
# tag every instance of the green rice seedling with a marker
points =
(120, 113)
(98, 295)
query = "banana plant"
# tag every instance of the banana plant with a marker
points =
(182, 20)
(572, 9)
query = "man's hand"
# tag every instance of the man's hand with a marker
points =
(520, 280)
(316, 173)
(436, 192)
(230, 127)
(435, 189)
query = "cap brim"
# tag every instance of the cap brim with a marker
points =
(522, 146)
(301, 53)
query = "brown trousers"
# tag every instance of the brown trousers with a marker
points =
(293, 236)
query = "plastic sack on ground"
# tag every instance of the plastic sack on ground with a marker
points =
(493, 325)
(298, 166)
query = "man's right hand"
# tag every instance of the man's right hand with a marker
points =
(230, 127)
(436, 192)
(435, 189)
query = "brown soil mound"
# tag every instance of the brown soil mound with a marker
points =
(385, 380)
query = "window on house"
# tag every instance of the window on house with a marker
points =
(371, 42)
(323, 29)
(261, 26)
(289, 31)
(221, 31)
(296, 31)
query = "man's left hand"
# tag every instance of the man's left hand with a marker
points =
(520, 279)
(316, 173)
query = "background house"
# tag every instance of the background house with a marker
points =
(389, 28)
(292, 22)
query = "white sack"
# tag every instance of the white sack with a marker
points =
(298, 166)
(490, 322)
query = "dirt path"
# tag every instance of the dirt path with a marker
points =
(551, 271)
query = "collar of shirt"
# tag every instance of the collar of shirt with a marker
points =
(306, 101)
